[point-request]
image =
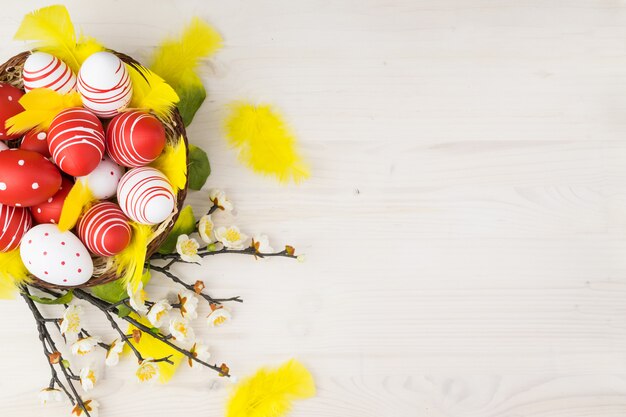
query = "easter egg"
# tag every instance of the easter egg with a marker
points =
(145, 195)
(14, 222)
(50, 210)
(135, 138)
(26, 178)
(9, 107)
(104, 229)
(56, 257)
(104, 84)
(76, 141)
(103, 180)
(37, 142)
(42, 70)
(3, 146)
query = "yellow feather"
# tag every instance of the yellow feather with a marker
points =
(130, 261)
(41, 105)
(176, 60)
(77, 201)
(149, 347)
(13, 273)
(53, 31)
(270, 392)
(151, 92)
(264, 142)
(173, 163)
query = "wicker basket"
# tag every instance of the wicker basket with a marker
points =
(104, 268)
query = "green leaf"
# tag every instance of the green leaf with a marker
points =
(65, 363)
(191, 98)
(123, 311)
(199, 167)
(64, 299)
(111, 292)
(185, 224)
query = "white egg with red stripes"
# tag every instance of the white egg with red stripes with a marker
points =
(42, 70)
(146, 196)
(104, 229)
(104, 84)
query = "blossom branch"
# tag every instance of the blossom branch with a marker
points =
(206, 251)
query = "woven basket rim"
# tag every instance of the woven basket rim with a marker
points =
(11, 72)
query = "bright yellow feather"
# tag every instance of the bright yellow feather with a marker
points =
(78, 200)
(264, 142)
(270, 392)
(13, 273)
(53, 31)
(41, 105)
(130, 261)
(173, 163)
(176, 60)
(151, 92)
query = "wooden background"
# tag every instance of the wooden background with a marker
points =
(464, 226)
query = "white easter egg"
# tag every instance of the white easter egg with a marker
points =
(3, 146)
(103, 180)
(145, 195)
(104, 84)
(59, 258)
(42, 70)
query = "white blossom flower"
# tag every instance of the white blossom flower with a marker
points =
(205, 228)
(113, 353)
(200, 351)
(158, 312)
(218, 316)
(148, 371)
(84, 345)
(50, 395)
(301, 258)
(137, 298)
(231, 237)
(218, 198)
(88, 378)
(70, 323)
(187, 248)
(262, 244)
(188, 304)
(181, 330)
(91, 406)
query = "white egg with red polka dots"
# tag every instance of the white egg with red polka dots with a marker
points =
(103, 181)
(59, 258)
(3, 146)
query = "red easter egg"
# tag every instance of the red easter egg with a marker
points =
(135, 138)
(76, 141)
(50, 210)
(9, 107)
(104, 229)
(27, 178)
(36, 141)
(14, 222)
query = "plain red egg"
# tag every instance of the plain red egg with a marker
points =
(27, 178)
(14, 222)
(135, 138)
(104, 229)
(9, 107)
(36, 141)
(50, 210)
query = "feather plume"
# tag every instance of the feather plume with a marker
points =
(176, 60)
(41, 105)
(53, 31)
(13, 273)
(264, 142)
(130, 261)
(269, 392)
(173, 163)
(151, 92)
(78, 200)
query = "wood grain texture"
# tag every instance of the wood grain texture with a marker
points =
(465, 225)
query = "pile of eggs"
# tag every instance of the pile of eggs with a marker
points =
(102, 144)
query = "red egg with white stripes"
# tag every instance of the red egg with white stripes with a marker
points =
(36, 141)
(50, 210)
(42, 70)
(104, 84)
(76, 141)
(9, 107)
(135, 138)
(14, 222)
(145, 195)
(104, 229)
(26, 178)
